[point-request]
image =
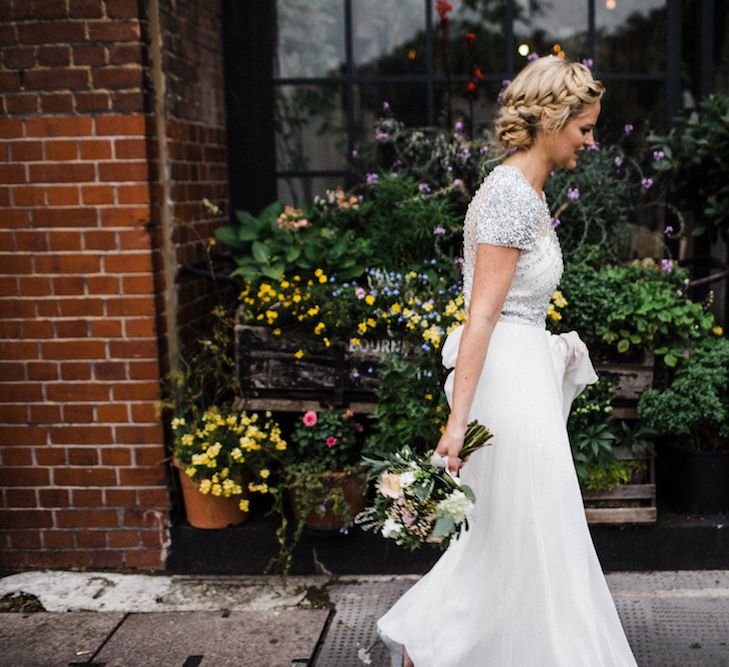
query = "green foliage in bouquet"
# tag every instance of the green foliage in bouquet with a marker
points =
(416, 502)
(693, 159)
(696, 403)
(634, 305)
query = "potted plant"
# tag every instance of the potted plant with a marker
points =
(326, 484)
(222, 459)
(692, 413)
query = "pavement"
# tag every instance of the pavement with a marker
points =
(69, 619)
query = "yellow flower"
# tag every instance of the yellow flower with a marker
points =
(356, 342)
(318, 272)
(190, 471)
(327, 342)
(217, 490)
(264, 473)
(296, 298)
(276, 332)
(369, 299)
(362, 326)
(177, 421)
(280, 446)
(371, 323)
(718, 330)
(428, 397)
(205, 485)
(395, 308)
(319, 328)
(187, 439)
(299, 354)
(244, 504)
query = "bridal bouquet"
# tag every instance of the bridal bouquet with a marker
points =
(418, 500)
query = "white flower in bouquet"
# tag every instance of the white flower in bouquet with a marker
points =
(457, 505)
(390, 485)
(407, 478)
(391, 528)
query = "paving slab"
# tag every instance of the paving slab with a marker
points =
(235, 639)
(52, 640)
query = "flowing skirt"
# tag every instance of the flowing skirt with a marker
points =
(524, 586)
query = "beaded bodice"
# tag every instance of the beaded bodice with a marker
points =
(506, 211)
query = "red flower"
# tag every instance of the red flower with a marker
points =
(477, 72)
(470, 36)
(471, 86)
(443, 7)
(331, 441)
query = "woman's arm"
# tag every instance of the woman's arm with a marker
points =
(492, 277)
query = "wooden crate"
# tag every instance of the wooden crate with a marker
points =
(273, 378)
(628, 503)
(631, 379)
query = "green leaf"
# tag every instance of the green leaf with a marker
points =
(228, 236)
(261, 253)
(623, 345)
(443, 526)
(670, 360)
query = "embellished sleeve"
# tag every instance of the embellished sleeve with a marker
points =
(507, 214)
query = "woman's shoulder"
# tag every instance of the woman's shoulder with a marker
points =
(505, 178)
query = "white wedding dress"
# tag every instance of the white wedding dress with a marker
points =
(523, 587)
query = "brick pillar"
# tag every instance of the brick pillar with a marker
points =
(82, 283)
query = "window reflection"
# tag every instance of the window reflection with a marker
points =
(631, 37)
(309, 38)
(388, 36)
(640, 103)
(551, 26)
(310, 127)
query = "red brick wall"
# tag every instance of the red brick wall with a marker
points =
(82, 291)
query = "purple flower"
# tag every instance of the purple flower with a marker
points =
(646, 183)
(587, 62)
(666, 265)
(449, 168)
(555, 222)
(686, 354)
(355, 153)
(465, 154)
(594, 147)
(385, 106)
(532, 57)
(668, 230)
(457, 182)
(398, 162)
(380, 136)
(618, 161)
(658, 155)
(573, 194)
(372, 179)
(483, 149)
(458, 127)
(438, 231)
(628, 128)
(423, 187)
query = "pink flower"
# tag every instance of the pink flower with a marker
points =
(331, 441)
(310, 418)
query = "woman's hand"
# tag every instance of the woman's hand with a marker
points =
(450, 445)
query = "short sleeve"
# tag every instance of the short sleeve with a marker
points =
(507, 214)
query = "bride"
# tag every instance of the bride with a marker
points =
(523, 587)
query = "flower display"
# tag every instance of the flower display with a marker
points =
(221, 451)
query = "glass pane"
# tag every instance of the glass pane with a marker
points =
(484, 20)
(310, 127)
(301, 191)
(631, 37)
(309, 38)
(407, 103)
(639, 103)
(477, 113)
(550, 27)
(389, 36)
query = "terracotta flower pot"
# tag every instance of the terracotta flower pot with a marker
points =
(354, 489)
(205, 510)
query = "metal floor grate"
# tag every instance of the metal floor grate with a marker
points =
(663, 630)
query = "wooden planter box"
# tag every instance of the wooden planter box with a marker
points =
(272, 378)
(630, 377)
(634, 502)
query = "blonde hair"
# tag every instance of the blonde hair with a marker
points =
(558, 87)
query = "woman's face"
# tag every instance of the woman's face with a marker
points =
(566, 144)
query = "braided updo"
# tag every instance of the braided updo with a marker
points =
(558, 87)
